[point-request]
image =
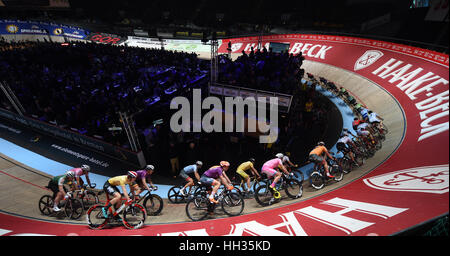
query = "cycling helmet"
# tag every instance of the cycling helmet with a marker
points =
(199, 163)
(321, 143)
(252, 160)
(70, 174)
(85, 167)
(279, 155)
(132, 174)
(149, 167)
(224, 164)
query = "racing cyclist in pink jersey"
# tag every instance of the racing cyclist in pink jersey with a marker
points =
(270, 169)
(83, 170)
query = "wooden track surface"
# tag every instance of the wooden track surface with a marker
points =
(23, 186)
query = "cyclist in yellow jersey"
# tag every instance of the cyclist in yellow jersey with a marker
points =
(245, 166)
(110, 188)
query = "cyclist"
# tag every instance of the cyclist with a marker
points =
(212, 176)
(83, 170)
(343, 145)
(364, 113)
(142, 177)
(285, 159)
(346, 132)
(56, 185)
(186, 172)
(375, 119)
(110, 187)
(362, 129)
(270, 169)
(318, 154)
(241, 170)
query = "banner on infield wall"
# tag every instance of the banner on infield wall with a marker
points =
(73, 137)
(284, 100)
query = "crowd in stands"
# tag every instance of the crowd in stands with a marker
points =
(263, 70)
(84, 85)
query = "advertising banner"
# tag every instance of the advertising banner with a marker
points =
(145, 42)
(17, 27)
(106, 38)
(79, 139)
(284, 100)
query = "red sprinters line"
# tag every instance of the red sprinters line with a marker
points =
(23, 180)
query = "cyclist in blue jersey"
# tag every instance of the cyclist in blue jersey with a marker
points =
(186, 174)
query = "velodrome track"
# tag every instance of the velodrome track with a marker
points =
(358, 205)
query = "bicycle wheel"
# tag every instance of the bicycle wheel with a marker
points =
(197, 208)
(336, 171)
(384, 130)
(316, 180)
(174, 195)
(73, 208)
(95, 218)
(46, 205)
(263, 195)
(134, 216)
(359, 159)
(298, 175)
(346, 164)
(259, 183)
(233, 204)
(89, 199)
(378, 145)
(153, 204)
(293, 188)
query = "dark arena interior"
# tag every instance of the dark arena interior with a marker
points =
(334, 112)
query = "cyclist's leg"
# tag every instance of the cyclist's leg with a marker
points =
(188, 179)
(189, 183)
(54, 188)
(59, 197)
(271, 173)
(112, 191)
(326, 167)
(215, 186)
(246, 179)
(277, 176)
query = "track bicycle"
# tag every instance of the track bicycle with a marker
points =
(365, 151)
(73, 208)
(265, 195)
(297, 174)
(153, 203)
(133, 215)
(174, 194)
(318, 177)
(255, 182)
(346, 162)
(87, 196)
(199, 207)
(380, 131)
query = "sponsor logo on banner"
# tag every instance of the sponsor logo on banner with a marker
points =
(431, 179)
(236, 46)
(367, 59)
(105, 38)
(58, 31)
(12, 29)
